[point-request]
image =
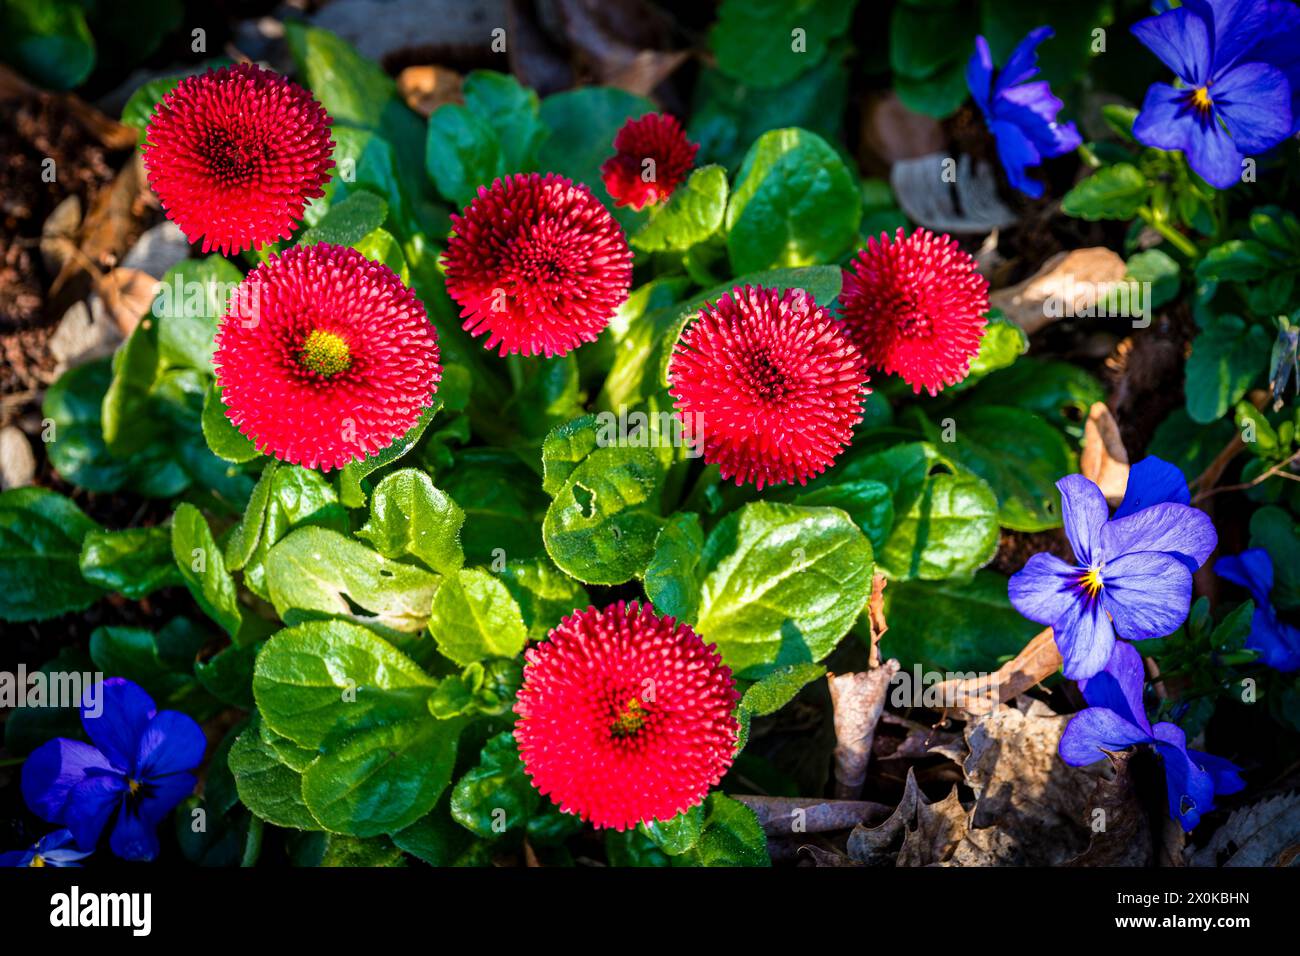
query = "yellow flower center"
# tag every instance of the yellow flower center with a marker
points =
(37, 860)
(1201, 99)
(134, 786)
(325, 353)
(1091, 581)
(630, 721)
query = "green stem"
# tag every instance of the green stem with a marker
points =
(12, 761)
(515, 367)
(1180, 242)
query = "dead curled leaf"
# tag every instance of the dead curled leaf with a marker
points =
(1263, 834)
(1104, 459)
(1030, 807)
(1038, 660)
(857, 701)
(425, 88)
(1067, 284)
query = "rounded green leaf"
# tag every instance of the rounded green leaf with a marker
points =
(475, 617)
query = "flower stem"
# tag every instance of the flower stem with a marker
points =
(1179, 241)
(515, 367)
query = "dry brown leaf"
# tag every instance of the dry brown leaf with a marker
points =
(781, 816)
(1104, 460)
(961, 198)
(891, 132)
(857, 701)
(1075, 276)
(127, 294)
(425, 88)
(1037, 661)
(1263, 834)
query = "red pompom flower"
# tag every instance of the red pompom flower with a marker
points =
(771, 382)
(537, 263)
(652, 158)
(324, 357)
(915, 307)
(234, 155)
(625, 716)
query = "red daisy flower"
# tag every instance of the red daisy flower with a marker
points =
(324, 357)
(915, 307)
(625, 716)
(538, 263)
(652, 157)
(234, 155)
(771, 383)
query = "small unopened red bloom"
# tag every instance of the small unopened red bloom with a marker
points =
(625, 716)
(652, 157)
(325, 357)
(538, 264)
(915, 307)
(771, 384)
(235, 154)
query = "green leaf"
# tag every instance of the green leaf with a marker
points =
(474, 617)
(41, 536)
(223, 438)
(512, 112)
(795, 204)
(317, 572)
(503, 503)
(869, 503)
(545, 595)
(48, 40)
(778, 688)
(781, 584)
(434, 838)
(1157, 267)
(692, 214)
(1019, 455)
(1227, 356)
(163, 664)
(203, 569)
(1274, 530)
(188, 307)
(672, 579)
(269, 787)
(768, 43)
(383, 779)
(328, 680)
(134, 562)
(945, 517)
(677, 835)
(351, 475)
(410, 517)
(1060, 392)
(462, 153)
(348, 221)
(496, 796)
(938, 95)
(129, 423)
(1001, 344)
(953, 626)
(1112, 192)
(633, 848)
(228, 674)
(603, 519)
(732, 837)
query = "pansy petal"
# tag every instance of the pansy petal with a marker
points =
(1211, 152)
(164, 793)
(1180, 530)
(172, 742)
(124, 712)
(1181, 40)
(1084, 512)
(1237, 26)
(979, 74)
(1153, 481)
(1085, 638)
(1190, 789)
(1033, 109)
(52, 770)
(1022, 65)
(1147, 594)
(1164, 122)
(91, 805)
(1044, 588)
(133, 837)
(1017, 154)
(1277, 643)
(1252, 570)
(1119, 686)
(1254, 100)
(1092, 731)
(16, 858)
(1225, 774)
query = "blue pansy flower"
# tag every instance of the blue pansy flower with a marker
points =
(53, 849)
(1116, 720)
(1021, 115)
(1277, 642)
(1239, 75)
(1132, 576)
(138, 768)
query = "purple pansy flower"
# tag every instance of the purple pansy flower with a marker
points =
(1277, 642)
(138, 769)
(53, 849)
(1132, 576)
(1116, 720)
(1239, 70)
(1021, 115)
